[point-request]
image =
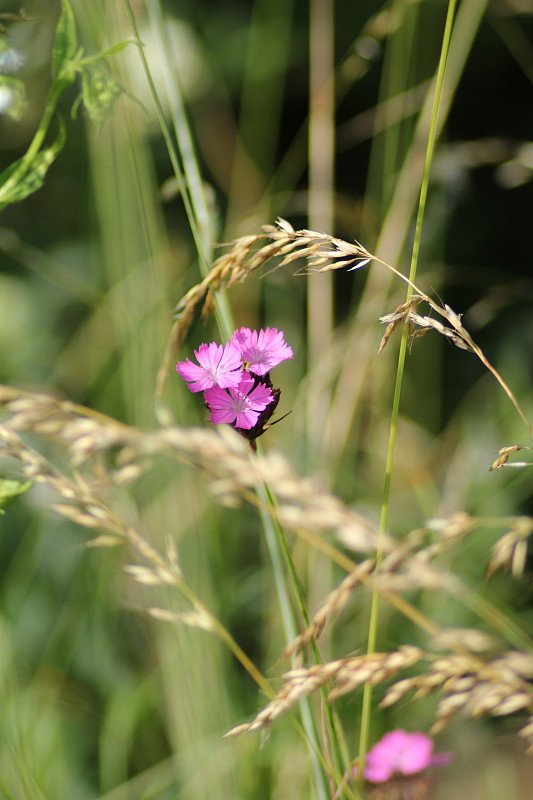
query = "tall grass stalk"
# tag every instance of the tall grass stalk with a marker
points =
(320, 305)
(373, 624)
(360, 346)
(186, 171)
(193, 183)
(320, 207)
(279, 555)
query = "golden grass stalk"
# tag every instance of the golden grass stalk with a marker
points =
(321, 253)
(346, 674)
(102, 453)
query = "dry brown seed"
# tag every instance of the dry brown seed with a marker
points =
(145, 575)
(399, 690)
(516, 702)
(74, 513)
(527, 730)
(504, 453)
(471, 639)
(105, 541)
(520, 663)
(335, 602)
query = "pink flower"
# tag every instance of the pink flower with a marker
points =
(219, 366)
(401, 753)
(262, 350)
(240, 406)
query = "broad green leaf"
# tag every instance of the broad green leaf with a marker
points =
(10, 490)
(29, 175)
(99, 92)
(65, 42)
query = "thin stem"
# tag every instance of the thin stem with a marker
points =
(374, 610)
(461, 331)
(289, 563)
(192, 196)
(178, 173)
(482, 357)
(227, 638)
(272, 541)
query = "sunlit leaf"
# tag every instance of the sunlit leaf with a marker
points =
(10, 490)
(65, 42)
(109, 51)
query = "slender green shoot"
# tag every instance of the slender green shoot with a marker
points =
(374, 610)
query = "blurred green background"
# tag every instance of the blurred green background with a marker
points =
(308, 111)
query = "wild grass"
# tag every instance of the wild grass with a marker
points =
(181, 616)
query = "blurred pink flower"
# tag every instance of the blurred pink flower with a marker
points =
(239, 406)
(262, 349)
(401, 753)
(219, 366)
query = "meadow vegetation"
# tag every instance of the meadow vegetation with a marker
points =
(270, 586)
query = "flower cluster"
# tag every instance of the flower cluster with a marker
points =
(235, 378)
(401, 753)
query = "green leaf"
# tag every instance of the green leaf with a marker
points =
(10, 490)
(99, 92)
(30, 174)
(65, 43)
(110, 51)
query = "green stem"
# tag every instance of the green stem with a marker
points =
(374, 609)
(33, 149)
(300, 600)
(273, 540)
(226, 637)
(188, 178)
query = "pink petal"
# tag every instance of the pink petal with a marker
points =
(263, 350)
(260, 397)
(241, 337)
(415, 755)
(193, 374)
(402, 752)
(441, 759)
(375, 774)
(219, 366)
(246, 383)
(246, 419)
(399, 752)
(221, 404)
(224, 362)
(218, 416)
(239, 406)
(378, 774)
